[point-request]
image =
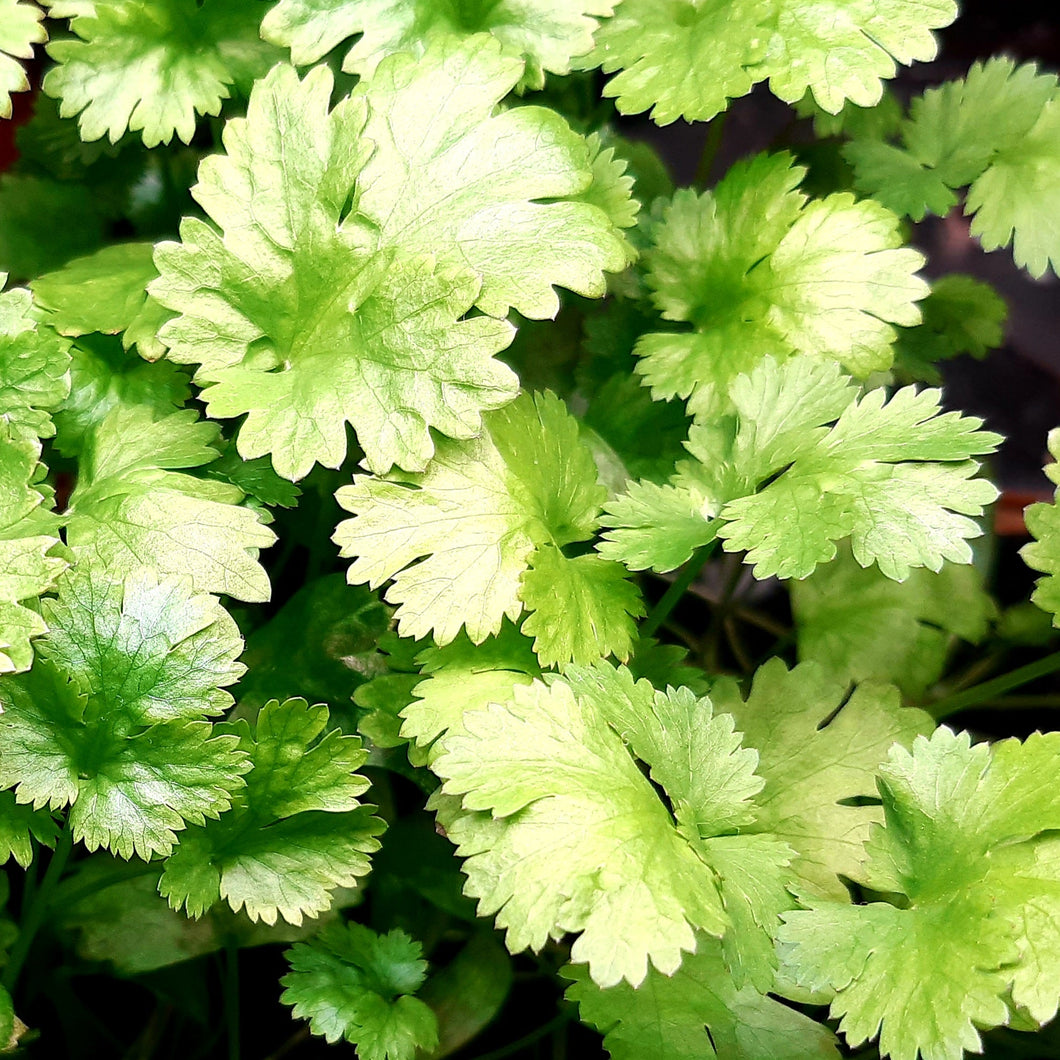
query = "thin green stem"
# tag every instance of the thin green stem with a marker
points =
(231, 998)
(37, 910)
(528, 1039)
(711, 146)
(678, 587)
(988, 691)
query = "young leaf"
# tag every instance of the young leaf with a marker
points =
(34, 367)
(759, 270)
(28, 537)
(153, 71)
(21, 26)
(110, 719)
(894, 476)
(546, 34)
(294, 834)
(697, 1014)
(960, 844)
(1043, 554)
(862, 626)
(352, 983)
(818, 751)
(20, 827)
(134, 506)
(461, 541)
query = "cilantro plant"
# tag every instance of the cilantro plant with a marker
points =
(442, 555)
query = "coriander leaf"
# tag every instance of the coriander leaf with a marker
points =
(20, 825)
(453, 176)
(818, 750)
(562, 790)
(863, 626)
(28, 537)
(842, 51)
(897, 180)
(21, 26)
(1043, 554)
(458, 540)
(697, 1013)
(352, 983)
(104, 377)
(105, 292)
(684, 60)
(34, 367)
(464, 676)
(960, 845)
(961, 315)
(893, 476)
(596, 590)
(546, 34)
(295, 833)
(154, 70)
(110, 719)
(134, 505)
(759, 270)
(385, 349)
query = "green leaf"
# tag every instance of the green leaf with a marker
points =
(294, 834)
(688, 59)
(20, 826)
(819, 750)
(683, 60)
(34, 367)
(386, 351)
(352, 983)
(1043, 554)
(842, 51)
(695, 1014)
(502, 192)
(21, 26)
(961, 315)
(863, 626)
(960, 845)
(135, 505)
(546, 34)
(551, 768)
(759, 270)
(153, 71)
(28, 537)
(104, 377)
(893, 476)
(459, 539)
(106, 292)
(110, 719)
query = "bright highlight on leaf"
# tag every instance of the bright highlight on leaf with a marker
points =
(295, 833)
(464, 541)
(546, 33)
(688, 58)
(110, 720)
(562, 832)
(996, 130)
(20, 28)
(964, 844)
(758, 269)
(153, 69)
(352, 983)
(805, 462)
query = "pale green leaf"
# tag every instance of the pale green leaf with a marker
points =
(20, 827)
(20, 28)
(1043, 554)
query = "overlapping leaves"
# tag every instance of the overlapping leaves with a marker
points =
(426, 203)
(296, 831)
(20, 28)
(480, 535)
(805, 462)
(967, 846)
(110, 720)
(758, 269)
(1043, 554)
